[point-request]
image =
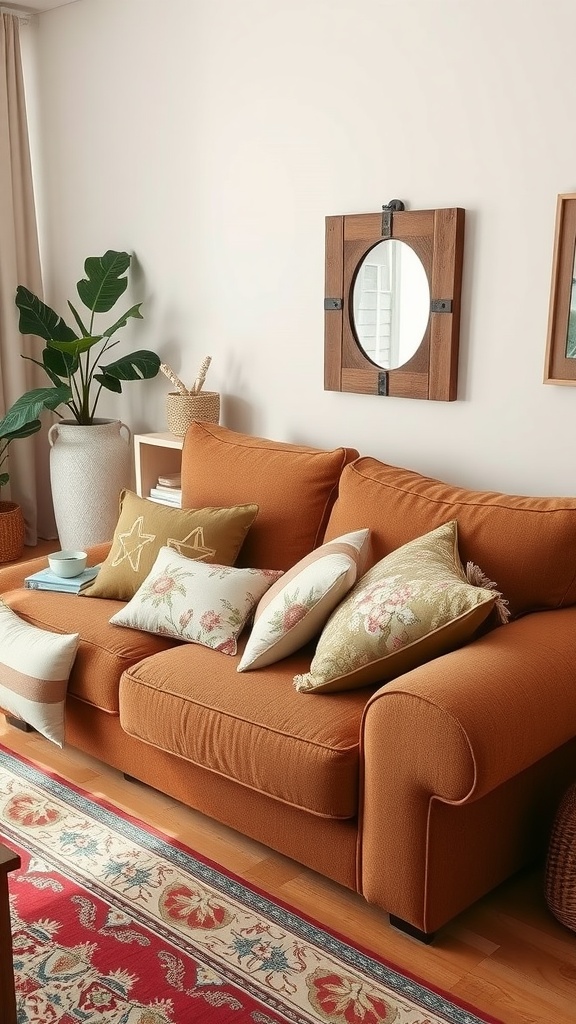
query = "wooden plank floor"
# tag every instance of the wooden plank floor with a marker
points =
(507, 955)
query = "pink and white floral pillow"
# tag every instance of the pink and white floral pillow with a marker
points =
(192, 601)
(295, 608)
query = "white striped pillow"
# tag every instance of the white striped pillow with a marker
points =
(296, 608)
(34, 669)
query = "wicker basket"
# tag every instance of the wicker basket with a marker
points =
(11, 531)
(560, 876)
(181, 410)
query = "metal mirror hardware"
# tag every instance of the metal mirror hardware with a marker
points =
(392, 302)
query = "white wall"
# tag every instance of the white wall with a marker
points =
(212, 137)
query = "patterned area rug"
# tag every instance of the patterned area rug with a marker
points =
(115, 924)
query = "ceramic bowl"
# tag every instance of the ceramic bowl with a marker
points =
(68, 563)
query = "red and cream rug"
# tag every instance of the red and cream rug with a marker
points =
(115, 924)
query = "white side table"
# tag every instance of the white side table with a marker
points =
(154, 455)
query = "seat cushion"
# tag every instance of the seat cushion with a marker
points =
(294, 487)
(104, 651)
(254, 728)
(521, 543)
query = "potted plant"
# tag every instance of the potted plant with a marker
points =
(90, 459)
(12, 527)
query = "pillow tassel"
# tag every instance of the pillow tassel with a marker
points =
(477, 578)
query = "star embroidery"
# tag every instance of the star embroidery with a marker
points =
(195, 549)
(131, 544)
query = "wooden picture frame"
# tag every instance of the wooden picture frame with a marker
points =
(560, 366)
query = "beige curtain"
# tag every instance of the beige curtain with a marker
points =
(19, 264)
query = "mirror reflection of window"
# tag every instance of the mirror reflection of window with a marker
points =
(571, 334)
(391, 303)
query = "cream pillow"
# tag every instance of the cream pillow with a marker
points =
(295, 608)
(412, 606)
(34, 669)
(188, 600)
(205, 534)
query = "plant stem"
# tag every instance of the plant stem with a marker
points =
(95, 401)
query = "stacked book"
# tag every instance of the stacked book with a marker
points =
(168, 491)
(45, 579)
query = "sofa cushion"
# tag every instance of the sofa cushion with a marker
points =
(34, 669)
(143, 527)
(521, 542)
(256, 729)
(412, 606)
(202, 604)
(296, 607)
(294, 487)
(103, 651)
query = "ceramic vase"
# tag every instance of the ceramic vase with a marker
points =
(89, 466)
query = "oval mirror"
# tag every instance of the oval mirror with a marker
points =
(390, 303)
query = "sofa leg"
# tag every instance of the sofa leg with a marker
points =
(410, 929)
(18, 724)
(131, 778)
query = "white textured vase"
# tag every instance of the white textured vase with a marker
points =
(89, 466)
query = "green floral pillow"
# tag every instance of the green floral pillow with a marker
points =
(189, 600)
(412, 606)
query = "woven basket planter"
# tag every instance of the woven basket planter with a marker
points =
(560, 876)
(182, 410)
(11, 531)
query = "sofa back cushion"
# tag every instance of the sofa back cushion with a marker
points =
(294, 487)
(524, 544)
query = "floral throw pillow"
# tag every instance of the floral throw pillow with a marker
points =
(296, 607)
(189, 600)
(414, 605)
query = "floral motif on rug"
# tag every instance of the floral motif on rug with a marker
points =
(114, 924)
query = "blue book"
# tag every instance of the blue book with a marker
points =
(45, 579)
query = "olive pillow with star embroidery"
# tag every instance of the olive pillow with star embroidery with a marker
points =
(204, 534)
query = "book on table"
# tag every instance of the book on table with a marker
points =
(45, 579)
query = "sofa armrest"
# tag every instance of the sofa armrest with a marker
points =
(475, 718)
(450, 732)
(13, 576)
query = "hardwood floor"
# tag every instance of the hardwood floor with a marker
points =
(507, 955)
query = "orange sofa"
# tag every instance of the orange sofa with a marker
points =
(421, 794)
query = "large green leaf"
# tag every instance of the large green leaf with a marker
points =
(76, 347)
(134, 311)
(59, 364)
(25, 431)
(141, 365)
(108, 382)
(104, 283)
(39, 319)
(84, 332)
(4, 478)
(28, 408)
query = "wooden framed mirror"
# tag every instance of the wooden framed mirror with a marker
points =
(392, 302)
